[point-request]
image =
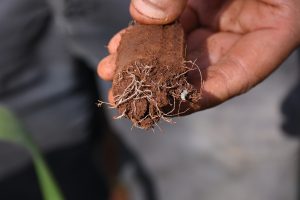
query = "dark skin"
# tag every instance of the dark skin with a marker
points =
(237, 43)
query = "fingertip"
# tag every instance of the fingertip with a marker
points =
(141, 18)
(106, 67)
(156, 11)
(115, 42)
(189, 19)
(111, 97)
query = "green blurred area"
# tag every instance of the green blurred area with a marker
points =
(11, 130)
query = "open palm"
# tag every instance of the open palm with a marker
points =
(236, 43)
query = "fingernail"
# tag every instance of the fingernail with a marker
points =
(150, 8)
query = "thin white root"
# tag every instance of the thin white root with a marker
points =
(100, 103)
(193, 63)
(121, 116)
(138, 89)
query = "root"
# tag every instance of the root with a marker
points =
(100, 103)
(121, 116)
(193, 63)
(137, 89)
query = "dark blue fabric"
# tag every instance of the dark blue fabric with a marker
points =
(40, 42)
(43, 79)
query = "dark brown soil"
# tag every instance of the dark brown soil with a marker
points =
(150, 80)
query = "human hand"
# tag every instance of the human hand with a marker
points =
(236, 43)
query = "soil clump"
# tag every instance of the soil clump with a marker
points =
(150, 80)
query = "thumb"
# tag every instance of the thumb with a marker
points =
(156, 11)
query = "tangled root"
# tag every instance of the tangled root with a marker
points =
(145, 101)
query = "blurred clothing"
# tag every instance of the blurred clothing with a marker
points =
(48, 56)
(291, 108)
(74, 172)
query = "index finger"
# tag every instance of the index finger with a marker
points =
(115, 42)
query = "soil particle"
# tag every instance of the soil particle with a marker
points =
(150, 79)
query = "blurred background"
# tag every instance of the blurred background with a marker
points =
(244, 149)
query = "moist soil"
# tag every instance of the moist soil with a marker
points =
(150, 80)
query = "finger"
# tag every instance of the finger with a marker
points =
(208, 47)
(197, 47)
(156, 11)
(115, 41)
(111, 97)
(189, 19)
(206, 13)
(246, 64)
(106, 67)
